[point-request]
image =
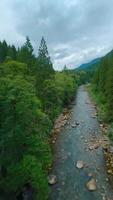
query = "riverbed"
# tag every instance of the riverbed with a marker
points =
(71, 146)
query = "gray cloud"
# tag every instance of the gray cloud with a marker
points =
(76, 31)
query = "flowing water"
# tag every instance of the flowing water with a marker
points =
(70, 147)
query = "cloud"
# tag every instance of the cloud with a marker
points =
(76, 31)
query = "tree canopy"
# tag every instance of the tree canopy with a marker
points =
(32, 95)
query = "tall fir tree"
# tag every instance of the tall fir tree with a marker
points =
(44, 66)
(3, 51)
(25, 53)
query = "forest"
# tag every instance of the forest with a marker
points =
(102, 89)
(32, 95)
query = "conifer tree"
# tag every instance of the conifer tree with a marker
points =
(3, 51)
(25, 54)
(44, 69)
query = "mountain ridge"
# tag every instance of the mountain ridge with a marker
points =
(89, 65)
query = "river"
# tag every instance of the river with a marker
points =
(71, 146)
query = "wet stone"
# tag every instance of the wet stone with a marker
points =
(52, 179)
(73, 125)
(80, 164)
(91, 185)
(90, 174)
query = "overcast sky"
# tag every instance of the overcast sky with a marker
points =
(76, 31)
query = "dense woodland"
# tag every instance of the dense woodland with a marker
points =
(102, 89)
(32, 95)
(103, 86)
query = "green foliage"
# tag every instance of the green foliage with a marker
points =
(66, 87)
(103, 85)
(57, 93)
(12, 69)
(111, 132)
(3, 51)
(32, 95)
(28, 170)
(7, 52)
(85, 76)
(24, 129)
(50, 99)
(25, 54)
(44, 68)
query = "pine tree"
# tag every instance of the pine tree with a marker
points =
(44, 68)
(25, 54)
(24, 150)
(12, 53)
(28, 45)
(109, 93)
(3, 51)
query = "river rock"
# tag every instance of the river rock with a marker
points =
(80, 164)
(90, 174)
(52, 179)
(73, 125)
(91, 185)
(63, 183)
(101, 125)
(93, 116)
(107, 180)
(91, 148)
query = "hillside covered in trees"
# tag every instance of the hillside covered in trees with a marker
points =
(89, 66)
(99, 73)
(32, 95)
(103, 86)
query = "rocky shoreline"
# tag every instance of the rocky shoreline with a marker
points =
(60, 122)
(105, 142)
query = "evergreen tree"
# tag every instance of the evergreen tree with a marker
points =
(109, 93)
(29, 45)
(25, 54)
(3, 51)
(27, 117)
(24, 150)
(44, 68)
(12, 52)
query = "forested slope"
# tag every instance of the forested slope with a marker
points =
(103, 85)
(32, 95)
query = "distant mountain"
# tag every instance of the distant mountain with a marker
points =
(89, 66)
(94, 64)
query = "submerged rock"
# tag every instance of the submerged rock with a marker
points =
(80, 164)
(73, 125)
(52, 179)
(91, 185)
(93, 116)
(90, 174)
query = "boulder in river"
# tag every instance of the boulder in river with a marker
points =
(73, 125)
(52, 179)
(91, 185)
(80, 164)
